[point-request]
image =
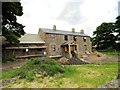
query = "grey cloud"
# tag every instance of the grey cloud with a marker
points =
(71, 13)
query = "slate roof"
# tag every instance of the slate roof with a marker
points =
(51, 31)
(31, 38)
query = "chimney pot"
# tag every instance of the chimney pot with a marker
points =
(82, 31)
(73, 29)
(54, 27)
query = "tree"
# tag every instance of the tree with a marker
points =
(11, 29)
(104, 37)
(117, 30)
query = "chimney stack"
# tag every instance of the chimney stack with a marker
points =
(82, 31)
(54, 27)
(73, 30)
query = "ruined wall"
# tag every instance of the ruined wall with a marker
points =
(89, 44)
(80, 43)
(42, 34)
(45, 37)
(58, 40)
(83, 46)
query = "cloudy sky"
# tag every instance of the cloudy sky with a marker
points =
(67, 14)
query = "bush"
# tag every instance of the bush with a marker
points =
(50, 67)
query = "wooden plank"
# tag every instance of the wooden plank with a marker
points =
(26, 47)
(26, 56)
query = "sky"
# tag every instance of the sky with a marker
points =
(67, 14)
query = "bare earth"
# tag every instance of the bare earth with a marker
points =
(12, 65)
(99, 58)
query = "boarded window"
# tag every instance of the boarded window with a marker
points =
(52, 37)
(53, 48)
(66, 38)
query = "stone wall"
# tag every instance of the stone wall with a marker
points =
(59, 39)
(89, 44)
(57, 42)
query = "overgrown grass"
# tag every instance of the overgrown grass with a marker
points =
(48, 73)
(91, 75)
(44, 67)
(111, 53)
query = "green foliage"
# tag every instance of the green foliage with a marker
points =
(44, 67)
(104, 37)
(117, 23)
(117, 30)
(47, 66)
(111, 53)
(11, 29)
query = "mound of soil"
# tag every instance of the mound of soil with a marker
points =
(75, 61)
(63, 60)
(72, 61)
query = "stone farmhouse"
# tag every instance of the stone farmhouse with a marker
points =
(51, 43)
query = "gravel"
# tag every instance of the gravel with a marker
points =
(111, 84)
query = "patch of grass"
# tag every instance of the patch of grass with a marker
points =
(71, 76)
(111, 53)
(91, 75)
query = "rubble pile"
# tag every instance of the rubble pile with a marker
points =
(72, 61)
(75, 61)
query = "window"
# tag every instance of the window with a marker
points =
(85, 47)
(53, 48)
(66, 38)
(75, 47)
(84, 38)
(52, 37)
(74, 38)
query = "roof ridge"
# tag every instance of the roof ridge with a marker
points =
(62, 32)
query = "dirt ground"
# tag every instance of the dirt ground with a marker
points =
(95, 57)
(13, 65)
(99, 58)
